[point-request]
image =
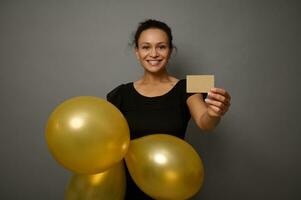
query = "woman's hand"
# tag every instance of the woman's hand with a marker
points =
(218, 102)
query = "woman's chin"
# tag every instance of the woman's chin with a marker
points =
(155, 70)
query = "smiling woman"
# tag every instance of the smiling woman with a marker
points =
(153, 50)
(158, 102)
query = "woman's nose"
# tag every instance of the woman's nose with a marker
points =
(153, 52)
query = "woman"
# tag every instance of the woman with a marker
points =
(158, 102)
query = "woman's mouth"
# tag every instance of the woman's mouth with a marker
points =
(154, 62)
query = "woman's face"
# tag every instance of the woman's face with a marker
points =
(153, 50)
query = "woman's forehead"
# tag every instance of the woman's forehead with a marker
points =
(153, 36)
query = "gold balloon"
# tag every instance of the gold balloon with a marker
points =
(108, 185)
(87, 135)
(165, 167)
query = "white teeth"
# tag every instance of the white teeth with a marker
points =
(154, 62)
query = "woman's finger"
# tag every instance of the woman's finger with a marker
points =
(221, 91)
(218, 104)
(218, 97)
(215, 111)
(222, 107)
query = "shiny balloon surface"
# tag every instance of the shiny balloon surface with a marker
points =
(87, 135)
(108, 185)
(165, 167)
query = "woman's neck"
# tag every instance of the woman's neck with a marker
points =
(150, 78)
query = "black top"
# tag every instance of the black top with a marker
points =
(167, 114)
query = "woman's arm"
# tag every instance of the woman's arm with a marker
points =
(208, 113)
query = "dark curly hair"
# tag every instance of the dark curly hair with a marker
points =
(151, 23)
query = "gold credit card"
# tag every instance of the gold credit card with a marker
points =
(199, 83)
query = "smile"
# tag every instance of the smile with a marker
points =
(154, 62)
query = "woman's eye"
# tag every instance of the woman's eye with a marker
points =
(162, 47)
(145, 47)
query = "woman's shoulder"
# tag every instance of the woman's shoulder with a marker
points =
(175, 80)
(117, 94)
(119, 89)
(181, 83)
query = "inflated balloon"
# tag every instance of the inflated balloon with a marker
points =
(108, 185)
(87, 135)
(165, 167)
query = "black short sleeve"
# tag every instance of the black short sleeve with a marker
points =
(115, 96)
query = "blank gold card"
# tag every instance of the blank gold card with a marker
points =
(199, 83)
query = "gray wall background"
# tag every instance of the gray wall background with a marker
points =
(53, 50)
